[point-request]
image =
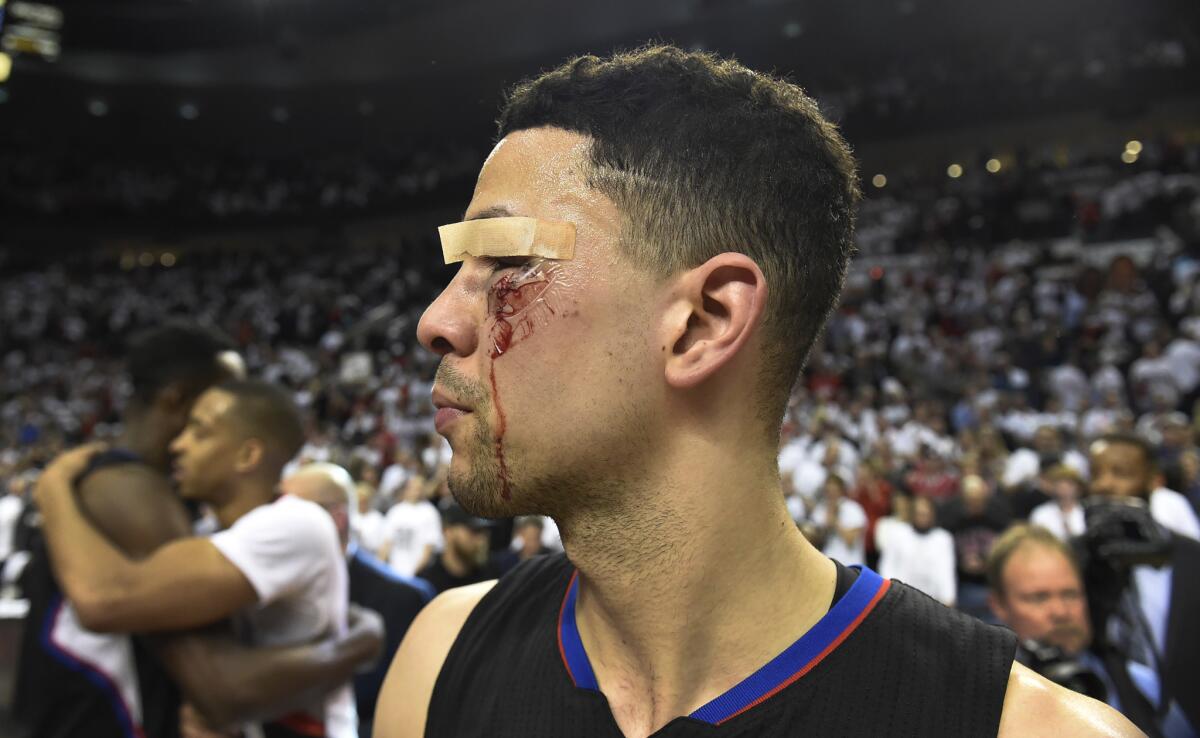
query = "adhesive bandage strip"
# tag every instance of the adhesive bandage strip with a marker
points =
(552, 239)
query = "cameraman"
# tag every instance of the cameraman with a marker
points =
(1160, 626)
(1035, 588)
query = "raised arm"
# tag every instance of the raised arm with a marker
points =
(183, 584)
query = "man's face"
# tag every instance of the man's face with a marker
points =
(1043, 599)
(468, 543)
(555, 362)
(1119, 470)
(206, 452)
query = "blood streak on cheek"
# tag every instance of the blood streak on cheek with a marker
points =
(520, 302)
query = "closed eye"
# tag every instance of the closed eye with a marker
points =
(498, 263)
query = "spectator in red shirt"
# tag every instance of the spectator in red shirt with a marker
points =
(874, 493)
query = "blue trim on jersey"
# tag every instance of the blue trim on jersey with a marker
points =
(424, 587)
(90, 672)
(797, 658)
(572, 646)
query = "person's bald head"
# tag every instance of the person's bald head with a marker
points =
(329, 486)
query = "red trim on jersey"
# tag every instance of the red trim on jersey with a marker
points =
(561, 609)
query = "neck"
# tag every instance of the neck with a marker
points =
(708, 538)
(244, 497)
(141, 437)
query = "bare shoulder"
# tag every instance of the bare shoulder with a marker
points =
(134, 507)
(1034, 705)
(404, 698)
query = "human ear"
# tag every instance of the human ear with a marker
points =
(716, 309)
(250, 453)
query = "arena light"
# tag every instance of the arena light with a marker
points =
(97, 107)
(1128, 156)
(167, 259)
(128, 260)
(954, 171)
(5, 67)
(189, 111)
(880, 181)
(993, 165)
(146, 259)
(1134, 147)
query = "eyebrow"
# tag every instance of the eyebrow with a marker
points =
(496, 211)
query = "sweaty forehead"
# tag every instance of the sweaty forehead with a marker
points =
(541, 173)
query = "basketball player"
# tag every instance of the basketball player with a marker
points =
(632, 388)
(277, 561)
(73, 680)
(373, 584)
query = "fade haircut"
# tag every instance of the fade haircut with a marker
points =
(176, 352)
(266, 412)
(1016, 538)
(704, 156)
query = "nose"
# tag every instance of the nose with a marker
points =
(450, 323)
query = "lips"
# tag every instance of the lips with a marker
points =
(448, 411)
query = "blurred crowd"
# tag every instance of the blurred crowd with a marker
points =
(992, 324)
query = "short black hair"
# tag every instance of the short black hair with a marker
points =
(266, 412)
(175, 352)
(1149, 453)
(704, 156)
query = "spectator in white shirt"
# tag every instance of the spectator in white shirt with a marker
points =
(370, 527)
(11, 507)
(839, 524)
(921, 554)
(1024, 464)
(414, 530)
(1062, 515)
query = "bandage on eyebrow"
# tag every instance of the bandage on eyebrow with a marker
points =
(552, 239)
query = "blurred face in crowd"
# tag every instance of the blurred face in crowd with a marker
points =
(468, 544)
(414, 488)
(530, 535)
(1176, 435)
(208, 452)
(546, 359)
(319, 488)
(1043, 599)
(834, 490)
(1046, 442)
(974, 495)
(1120, 470)
(1065, 491)
(924, 514)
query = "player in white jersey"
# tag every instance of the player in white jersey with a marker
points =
(276, 565)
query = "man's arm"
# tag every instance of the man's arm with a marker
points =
(229, 683)
(404, 699)
(1035, 706)
(183, 584)
(225, 680)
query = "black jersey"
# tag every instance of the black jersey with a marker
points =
(885, 660)
(72, 682)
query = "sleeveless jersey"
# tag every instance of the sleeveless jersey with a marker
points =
(72, 682)
(885, 660)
